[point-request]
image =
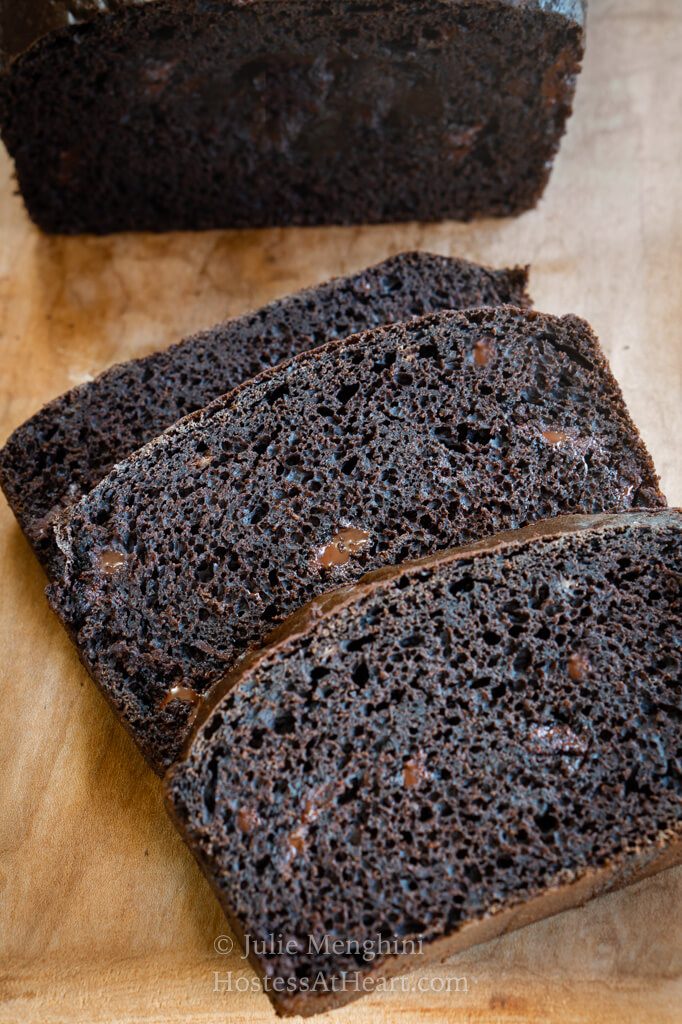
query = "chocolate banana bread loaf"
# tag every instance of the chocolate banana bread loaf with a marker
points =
(381, 447)
(66, 448)
(158, 114)
(443, 753)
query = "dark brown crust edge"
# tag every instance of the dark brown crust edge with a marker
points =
(665, 853)
(23, 23)
(630, 867)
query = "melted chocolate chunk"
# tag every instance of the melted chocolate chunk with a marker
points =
(111, 561)
(338, 551)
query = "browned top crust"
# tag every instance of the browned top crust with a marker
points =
(25, 22)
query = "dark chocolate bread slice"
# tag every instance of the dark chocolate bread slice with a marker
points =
(443, 753)
(65, 449)
(130, 115)
(381, 447)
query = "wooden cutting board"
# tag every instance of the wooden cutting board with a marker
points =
(103, 915)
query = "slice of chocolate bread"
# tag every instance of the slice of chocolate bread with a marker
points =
(384, 446)
(126, 114)
(65, 449)
(443, 753)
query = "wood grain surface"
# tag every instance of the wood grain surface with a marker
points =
(103, 914)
